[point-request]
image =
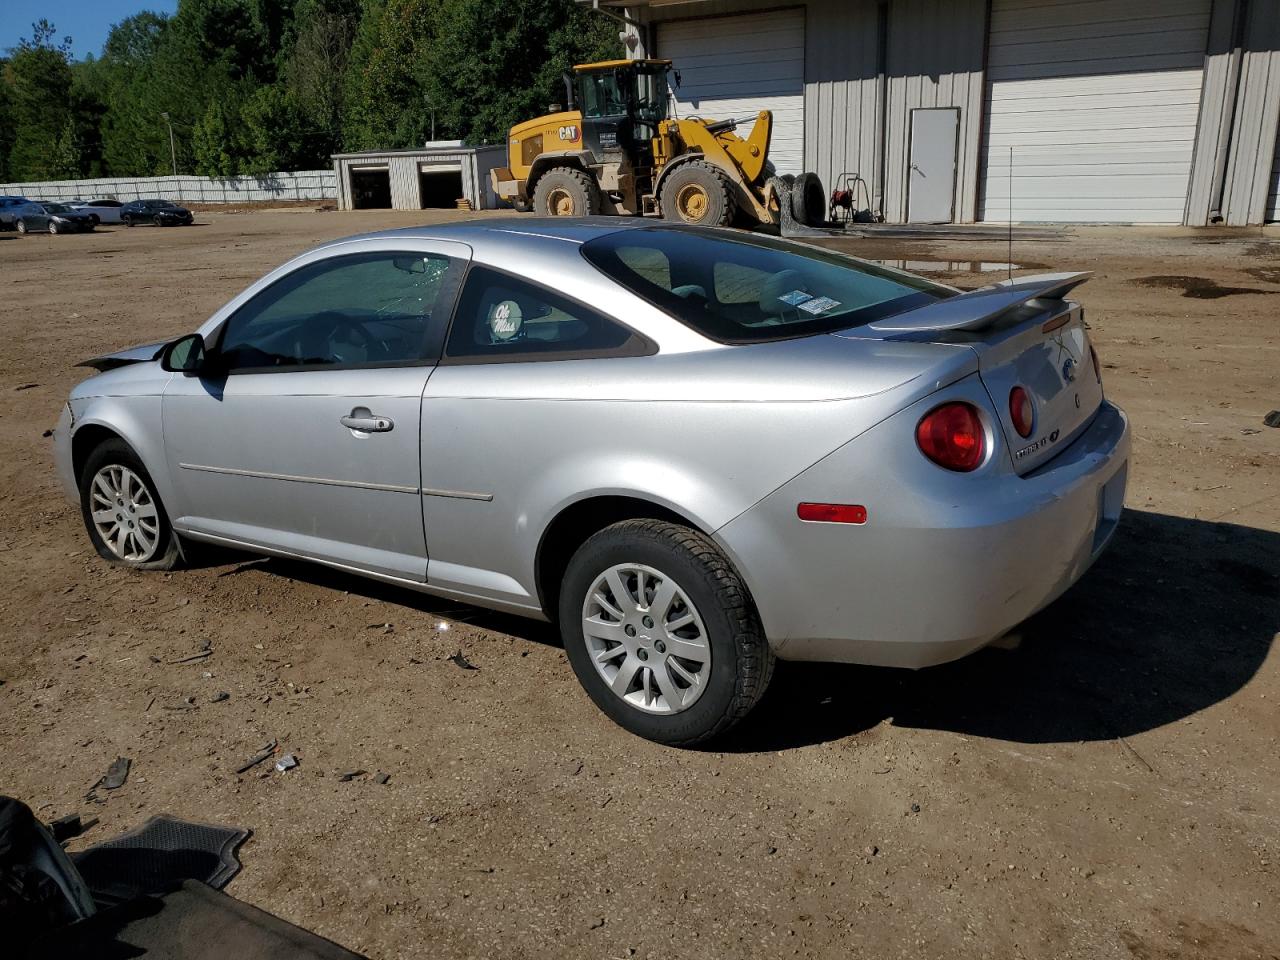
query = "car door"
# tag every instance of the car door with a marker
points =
(302, 436)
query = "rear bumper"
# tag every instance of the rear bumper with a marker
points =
(945, 564)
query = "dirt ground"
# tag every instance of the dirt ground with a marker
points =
(1110, 789)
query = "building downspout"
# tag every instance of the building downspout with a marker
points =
(882, 84)
(1226, 129)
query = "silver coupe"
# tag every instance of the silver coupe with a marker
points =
(695, 450)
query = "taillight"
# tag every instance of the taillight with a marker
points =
(952, 436)
(1021, 411)
(1097, 365)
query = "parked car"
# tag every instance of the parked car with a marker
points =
(163, 213)
(54, 217)
(695, 449)
(105, 209)
(11, 208)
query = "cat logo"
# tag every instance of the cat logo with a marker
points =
(569, 132)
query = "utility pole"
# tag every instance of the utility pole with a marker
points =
(432, 107)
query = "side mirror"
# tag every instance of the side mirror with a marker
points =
(184, 355)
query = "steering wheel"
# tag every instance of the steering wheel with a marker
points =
(325, 330)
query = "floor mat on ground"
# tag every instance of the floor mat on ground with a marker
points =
(157, 857)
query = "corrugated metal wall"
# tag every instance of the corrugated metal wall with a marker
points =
(842, 92)
(1252, 156)
(935, 60)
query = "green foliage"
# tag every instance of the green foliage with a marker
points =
(255, 86)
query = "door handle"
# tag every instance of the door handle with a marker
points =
(366, 422)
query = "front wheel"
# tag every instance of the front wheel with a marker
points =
(696, 192)
(122, 512)
(662, 633)
(53, 226)
(127, 221)
(22, 226)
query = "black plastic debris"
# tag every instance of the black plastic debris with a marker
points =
(463, 662)
(1272, 419)
(267, 750)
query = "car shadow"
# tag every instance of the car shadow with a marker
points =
(1176, 616)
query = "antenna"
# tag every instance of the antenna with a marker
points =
(1009, 255)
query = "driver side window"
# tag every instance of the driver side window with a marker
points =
(362, 310)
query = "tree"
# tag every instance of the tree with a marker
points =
(38, 77)
(216, 142)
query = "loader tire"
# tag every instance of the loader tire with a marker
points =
(808, 202)
(697, 193)
(566, 192)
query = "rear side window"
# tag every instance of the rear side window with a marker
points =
(740, 288)
(502, 318)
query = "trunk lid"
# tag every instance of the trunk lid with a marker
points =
(1048, 355)
(1025, 334)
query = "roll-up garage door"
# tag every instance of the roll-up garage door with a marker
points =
(738, 66)
(1099, 101)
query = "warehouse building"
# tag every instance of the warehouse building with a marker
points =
(1054, 111)
(439, 174)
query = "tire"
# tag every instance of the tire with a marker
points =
(127, 221)
(22, 226)
(53, 226)
(808, 202)
(730, 659)
(566, 192)
(151, 543)
(697, 193)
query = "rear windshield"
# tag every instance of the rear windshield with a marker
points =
(742, 288)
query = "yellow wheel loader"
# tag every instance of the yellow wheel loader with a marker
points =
(617, 149)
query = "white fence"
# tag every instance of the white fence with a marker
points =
(302, 185)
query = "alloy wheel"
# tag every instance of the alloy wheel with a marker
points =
(124, 513)
(646, 639)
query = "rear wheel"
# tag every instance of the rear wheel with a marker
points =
(662, 633)
(697, 193)
(566, 192)
(22, 226)
(122, 512)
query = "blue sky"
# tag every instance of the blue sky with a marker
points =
(87, 21)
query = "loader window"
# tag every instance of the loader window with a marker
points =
(602, 96)
(737, 288)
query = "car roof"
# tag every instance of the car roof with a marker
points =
(516, 230)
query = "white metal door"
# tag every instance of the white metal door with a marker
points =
(931, 186)
(738, 66)
(1099, 101)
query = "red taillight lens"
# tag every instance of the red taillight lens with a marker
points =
(1021, 411)
(952, 436)
(1097, 364)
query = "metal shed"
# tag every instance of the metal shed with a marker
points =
(438, 174)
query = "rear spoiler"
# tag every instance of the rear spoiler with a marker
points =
(982, 307)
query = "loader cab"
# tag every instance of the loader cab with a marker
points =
(622, 104)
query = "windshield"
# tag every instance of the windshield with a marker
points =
(56, 208)
(737, 288)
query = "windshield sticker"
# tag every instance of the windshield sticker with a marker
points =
(795, 297)
(818, 305)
